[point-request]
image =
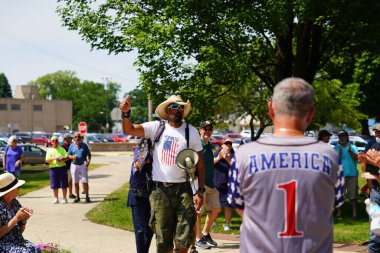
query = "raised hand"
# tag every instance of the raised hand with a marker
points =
(125, 105)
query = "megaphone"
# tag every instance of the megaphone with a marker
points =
(187, 159)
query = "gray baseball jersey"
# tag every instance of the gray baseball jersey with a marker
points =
(288, 188)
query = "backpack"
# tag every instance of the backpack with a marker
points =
(143, 161)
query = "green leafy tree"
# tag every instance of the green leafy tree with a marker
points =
(192, 47)
(139, 110)
(5, 88)
(91, 102)
(274, 39)
(337, 104)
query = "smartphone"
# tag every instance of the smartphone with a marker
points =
(27, 212)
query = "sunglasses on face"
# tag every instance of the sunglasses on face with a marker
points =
(176, 107)
(53, 141)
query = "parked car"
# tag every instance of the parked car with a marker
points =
(4, 136)
(104, 137)
(246, 133)
(3, 144)
(133, 139)
(32, 155)
(39, 138)
(24, 137)
(48, 137)
(217, 140)
(359, 142)
(118, 137)
(233, 136)
(89, 138)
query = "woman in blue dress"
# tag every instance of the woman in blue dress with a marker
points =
(13, 217)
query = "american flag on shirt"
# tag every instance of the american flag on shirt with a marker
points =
(169, 151)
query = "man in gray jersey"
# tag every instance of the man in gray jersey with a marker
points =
(287, 184)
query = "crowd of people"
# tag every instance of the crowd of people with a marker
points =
(71, 160)
(302, 180)
(286, 186)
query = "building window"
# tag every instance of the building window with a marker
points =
(3, 107)
(15, 107)
(37, 108)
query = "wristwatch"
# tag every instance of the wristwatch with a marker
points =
(126, 115)
(201, 191)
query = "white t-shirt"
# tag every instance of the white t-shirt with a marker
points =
(172, 141)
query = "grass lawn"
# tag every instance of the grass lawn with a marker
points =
(113, 212)
(37, 176)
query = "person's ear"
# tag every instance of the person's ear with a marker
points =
(270, 109)
(310, 115)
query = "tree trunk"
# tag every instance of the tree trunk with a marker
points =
(364, 123)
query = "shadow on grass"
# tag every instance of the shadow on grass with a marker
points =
(111, 199)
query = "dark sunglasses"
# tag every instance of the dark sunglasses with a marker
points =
(176, 107)
(54, 141)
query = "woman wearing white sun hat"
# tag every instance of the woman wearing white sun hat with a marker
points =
(13, 217)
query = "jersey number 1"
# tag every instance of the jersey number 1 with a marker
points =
(290, 189)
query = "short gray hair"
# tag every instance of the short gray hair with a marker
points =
(293, 97)
(11, 139)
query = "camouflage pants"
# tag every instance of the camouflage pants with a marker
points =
(172, 215)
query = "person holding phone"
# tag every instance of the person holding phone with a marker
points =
(13, 217)
(372, 175)
(222, 163)
(56, 157)
(348, 155)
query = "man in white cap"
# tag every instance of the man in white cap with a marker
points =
(173, 211)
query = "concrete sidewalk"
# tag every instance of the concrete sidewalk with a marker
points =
(66, 224)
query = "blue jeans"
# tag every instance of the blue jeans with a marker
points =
(374, 241)
(143, 233)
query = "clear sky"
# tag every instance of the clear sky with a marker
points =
(33, 43)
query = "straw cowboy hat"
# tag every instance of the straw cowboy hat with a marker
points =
(9, 182)
(173, 99)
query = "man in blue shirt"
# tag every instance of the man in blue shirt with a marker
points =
(81, 156)
(348, 155)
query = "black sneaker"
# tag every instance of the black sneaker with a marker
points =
(72, 196)
(202, 244)
(88, 200)
(77, 199)
(207, 239)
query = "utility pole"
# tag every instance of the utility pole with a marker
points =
(106, 81)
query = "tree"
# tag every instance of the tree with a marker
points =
(191, 46)
(91, 103)
(139, 110)
(5, 88)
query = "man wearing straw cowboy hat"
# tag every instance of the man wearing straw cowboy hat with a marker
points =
(13, 217)
(172, 214)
